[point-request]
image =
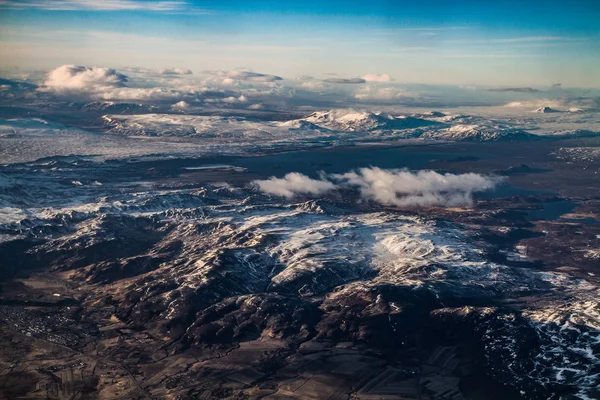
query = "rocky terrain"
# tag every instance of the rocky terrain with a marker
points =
(180, 279)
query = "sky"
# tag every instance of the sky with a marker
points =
(459, 42)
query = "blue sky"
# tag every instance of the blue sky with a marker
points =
(496, 43)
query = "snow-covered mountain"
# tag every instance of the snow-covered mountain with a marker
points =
(355, 121)
(346, 125)
(479, 133)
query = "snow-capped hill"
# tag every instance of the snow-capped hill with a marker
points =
(478, 133)
(180, 106)
(430, 114)
(407, 122)
(301, 124)
(546, 110)
(575, 133)
(349, 120)
(436, 114)
(357, 121)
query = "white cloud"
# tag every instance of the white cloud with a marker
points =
(139, 94)
(232, 99)
(377, 78)
(108, 84)
(162, 71)
(394, 187)
(175, 71)
(423, 188)
(313, 85)
(229, 77)
(177, 94)
(181, 105)
(228, 82)
(80, 78)
(292, 184)
(378, 94)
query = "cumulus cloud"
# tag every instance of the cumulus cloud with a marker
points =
(229, 100)
(81, 78)
(181, 105)
(345, 80)
(292, 184)
(423, 188)
(377, 78)
(108, 84)
(394, 187)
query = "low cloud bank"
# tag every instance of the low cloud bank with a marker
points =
(423, 188)
(292, 184)
(393, 187)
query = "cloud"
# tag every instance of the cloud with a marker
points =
(175, 71)
(164, 94)
(229, 77)
(423, 188)
(230, 99)
(181, 105)
(163, 71)
(368, 93)
(292, 184)
(107, 84)
(101, 5)
(345, 80)
(313, 85)
(514, 90)
(390, 187)
(377, 78)
(80, 78)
